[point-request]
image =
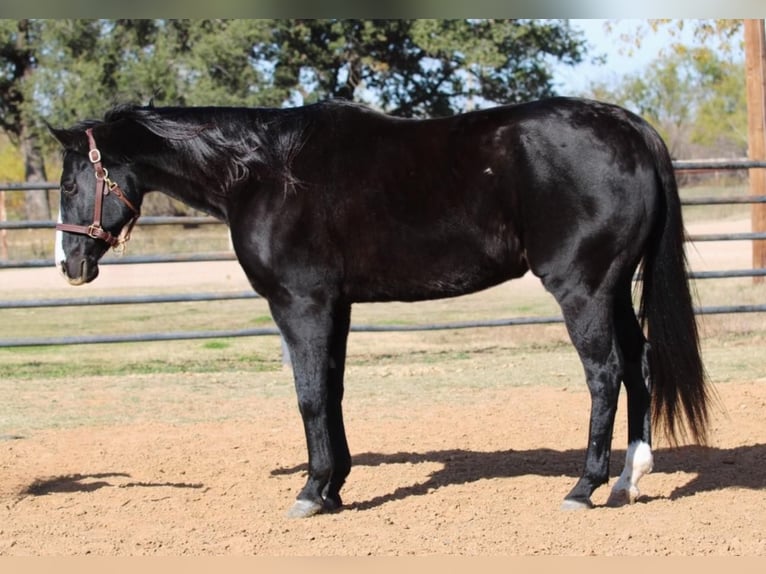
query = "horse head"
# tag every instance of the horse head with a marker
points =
(99, 205)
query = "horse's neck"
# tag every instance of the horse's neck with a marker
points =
(192, 193)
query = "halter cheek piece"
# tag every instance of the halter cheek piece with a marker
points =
(104, 186)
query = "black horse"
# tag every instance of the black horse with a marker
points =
(333, 203)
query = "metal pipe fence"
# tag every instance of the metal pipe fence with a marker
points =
(270, 331)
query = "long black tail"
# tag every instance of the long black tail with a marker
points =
(678, 374)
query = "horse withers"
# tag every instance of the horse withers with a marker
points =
(333, 203)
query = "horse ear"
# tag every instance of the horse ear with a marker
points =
(70, 138)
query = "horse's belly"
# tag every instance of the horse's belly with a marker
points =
(420, 275)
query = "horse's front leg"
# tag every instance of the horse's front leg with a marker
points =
(315, 332)
(335, 388)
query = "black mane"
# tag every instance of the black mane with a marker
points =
(224, 146)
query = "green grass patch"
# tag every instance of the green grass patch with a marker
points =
(216, 345)
(171, 357)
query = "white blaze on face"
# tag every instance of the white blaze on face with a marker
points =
(58, 252)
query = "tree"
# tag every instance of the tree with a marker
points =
(62, 71)
(18, 40)
(419, 67)
(722, 36)
(407, 67)
(89, 66)
(695, 97)
(689, 96)
(721, 120)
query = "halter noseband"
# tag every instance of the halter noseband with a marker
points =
(104, 186)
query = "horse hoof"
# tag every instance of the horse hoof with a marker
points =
(622, 497)
(304, 509)
(570, 504)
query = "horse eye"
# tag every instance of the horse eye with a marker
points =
(69, 188)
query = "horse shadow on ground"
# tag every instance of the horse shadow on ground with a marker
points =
(92, 482)
(713, 468)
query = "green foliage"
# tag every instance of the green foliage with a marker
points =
(420, 67)
(11, 166)
(88, 66)
(721, 120)
(71, 69)
(695, 97)
(694, 92)
(723, 36)
(11, 169)
(18, 44)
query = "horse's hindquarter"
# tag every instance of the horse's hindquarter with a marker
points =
(589, 187)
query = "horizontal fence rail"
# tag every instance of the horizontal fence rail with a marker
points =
(716, 164)
(185, 220)
(224, 296)
(192, 221)
(263, 331)
(132, 260)
(125, 300)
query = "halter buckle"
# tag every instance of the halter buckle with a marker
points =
(94, 155)
(95, 231)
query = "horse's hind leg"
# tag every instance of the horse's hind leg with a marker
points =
(636, 376)
(588, 317)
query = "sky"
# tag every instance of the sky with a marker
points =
(573, 80)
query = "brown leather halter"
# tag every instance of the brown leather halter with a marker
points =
(104, 186)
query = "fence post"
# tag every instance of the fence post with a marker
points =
(3, 233)
(755, 66)
(286, 359)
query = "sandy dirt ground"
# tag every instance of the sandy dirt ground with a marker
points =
(477, 472)
(481, 478)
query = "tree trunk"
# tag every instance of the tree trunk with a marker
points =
(3, 232)
(36, 205)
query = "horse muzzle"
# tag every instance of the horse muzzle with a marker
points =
(79, 271)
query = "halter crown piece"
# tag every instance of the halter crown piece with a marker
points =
(104, 186)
